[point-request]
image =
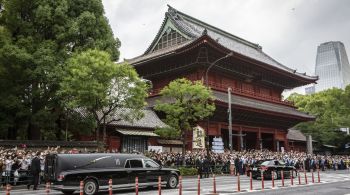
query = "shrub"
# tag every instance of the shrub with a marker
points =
(186, 171)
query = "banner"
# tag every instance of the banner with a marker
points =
(198, 138)
(217, 145)
(156, 149)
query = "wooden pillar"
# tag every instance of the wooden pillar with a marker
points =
(274, 140)
(237, 139)
(258, 140)
(241, 146)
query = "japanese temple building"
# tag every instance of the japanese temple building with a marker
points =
(185, 47)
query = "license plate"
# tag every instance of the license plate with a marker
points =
(255, 169)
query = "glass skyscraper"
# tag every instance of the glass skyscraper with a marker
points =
(332, 66)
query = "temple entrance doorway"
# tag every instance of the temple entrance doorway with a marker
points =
(250, 140)
(267, 141)
(225, 139)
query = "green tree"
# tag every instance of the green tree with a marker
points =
(37, 37)
(190, 102)
(103, 89)
(332, 110)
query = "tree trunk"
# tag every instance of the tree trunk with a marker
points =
(97, 133)
(33, 129)
(183, 147)
(59, 128)
(104, 131)
(12, 133)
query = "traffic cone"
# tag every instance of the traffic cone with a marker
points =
(8, 189)
(180, 185)
(262, 181)
(47, 187)
(136, 185)
(159, 185)
(110, 187)
(238, 183)
(251, 181)
(199, 185)
(81, 187)
(214, 184)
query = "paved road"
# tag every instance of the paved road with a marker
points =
(331, 182)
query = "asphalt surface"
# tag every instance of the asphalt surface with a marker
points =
(331, 183)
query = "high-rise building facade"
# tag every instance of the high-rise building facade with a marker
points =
(332, 66)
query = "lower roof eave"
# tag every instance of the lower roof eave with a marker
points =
(301, 118)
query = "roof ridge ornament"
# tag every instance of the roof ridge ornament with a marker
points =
(171, 10)
(205, 32)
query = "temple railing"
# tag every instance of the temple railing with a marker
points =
(239, 91)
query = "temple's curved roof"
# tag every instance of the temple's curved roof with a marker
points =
(193, 29)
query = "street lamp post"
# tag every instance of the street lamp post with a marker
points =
(207, 84)
(229, 119)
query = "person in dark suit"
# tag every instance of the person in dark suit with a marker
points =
(35, 171)
(236, 165)
(206, 167)
(199, 166)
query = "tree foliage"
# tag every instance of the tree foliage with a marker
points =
(332, 110)
(36, 39)
(187, 103)
(93, 83)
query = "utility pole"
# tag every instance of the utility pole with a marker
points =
(241, 138)
(229, 118)
(207, 84)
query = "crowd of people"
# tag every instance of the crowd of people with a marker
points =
(15, 161)
(240, 160)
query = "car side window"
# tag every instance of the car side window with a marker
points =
(136, 164)
(151, 164)
(127, 164)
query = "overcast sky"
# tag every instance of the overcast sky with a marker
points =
(288, 30)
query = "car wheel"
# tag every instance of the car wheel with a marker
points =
(67, 192)
(90, 187)
(172, 182)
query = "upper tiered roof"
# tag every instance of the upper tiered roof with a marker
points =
(191, 29)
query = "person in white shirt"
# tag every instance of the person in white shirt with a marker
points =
(8, 165)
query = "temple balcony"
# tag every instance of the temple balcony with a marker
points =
(238, 91)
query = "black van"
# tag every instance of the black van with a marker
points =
(66, 171)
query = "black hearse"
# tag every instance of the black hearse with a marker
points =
(266, 167)
(66, 171)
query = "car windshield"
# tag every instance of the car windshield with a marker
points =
(265, 163)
